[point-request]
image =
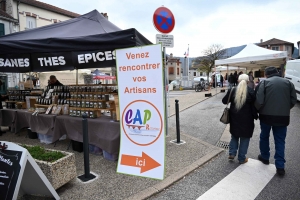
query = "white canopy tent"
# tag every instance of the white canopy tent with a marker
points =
(229, 68)
(253, 56)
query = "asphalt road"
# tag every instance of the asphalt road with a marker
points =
(209, 129)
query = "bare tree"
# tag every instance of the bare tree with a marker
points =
(207, 62)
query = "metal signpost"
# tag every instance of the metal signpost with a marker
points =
(164, 22)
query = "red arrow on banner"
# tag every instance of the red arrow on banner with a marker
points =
(145, 162)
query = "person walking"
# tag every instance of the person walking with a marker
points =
(230, 80)
(221, 80)
(241, 118)
(275, 97)
(251, 80)
(235, 79)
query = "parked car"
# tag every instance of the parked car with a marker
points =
(292, 73)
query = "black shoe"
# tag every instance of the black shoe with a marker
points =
(266, 162)
(280, 171)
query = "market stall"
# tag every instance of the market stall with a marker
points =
(253, 57)
(85, 42)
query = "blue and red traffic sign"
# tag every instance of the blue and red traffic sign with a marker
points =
(163, 20)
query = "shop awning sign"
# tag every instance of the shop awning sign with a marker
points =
(141, 97)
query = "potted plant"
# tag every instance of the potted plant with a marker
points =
(58, 166)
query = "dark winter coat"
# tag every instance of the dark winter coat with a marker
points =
(57, 83)
(231, 79)
(275, 97)
(242, 121)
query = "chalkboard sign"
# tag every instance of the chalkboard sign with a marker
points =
(88, 79)
(19, 170)
(9, 172)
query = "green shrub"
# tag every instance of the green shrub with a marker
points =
(40, 153)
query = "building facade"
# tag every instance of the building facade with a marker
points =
(278, 45)
(174, 68)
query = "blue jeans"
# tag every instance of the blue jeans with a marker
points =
(243, 147)
(279, 133)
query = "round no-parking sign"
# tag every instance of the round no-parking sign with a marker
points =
(163, 20)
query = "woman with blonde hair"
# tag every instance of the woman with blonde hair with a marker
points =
(241, 118)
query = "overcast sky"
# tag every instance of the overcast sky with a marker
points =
(201, 23)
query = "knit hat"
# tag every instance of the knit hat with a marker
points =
(270, 71)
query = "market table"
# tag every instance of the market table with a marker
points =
(7, 117)
(22, 120)
(103, 131)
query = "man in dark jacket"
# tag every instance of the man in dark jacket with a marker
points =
(54, 82)
(274, 98)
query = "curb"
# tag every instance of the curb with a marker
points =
(146, 193)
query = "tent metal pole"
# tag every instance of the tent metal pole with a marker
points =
(76, 76)
(166, 85)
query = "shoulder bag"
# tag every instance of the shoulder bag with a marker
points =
(225, 116)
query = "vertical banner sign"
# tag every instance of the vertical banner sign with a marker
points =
(140, 85)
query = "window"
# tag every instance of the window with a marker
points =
(2, 32)
(201, 73)
(195, 73)
(275, 48)
(30, 22)
(287, 48)
(171, 70)
(177, 71)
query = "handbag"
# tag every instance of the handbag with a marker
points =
(225, 116)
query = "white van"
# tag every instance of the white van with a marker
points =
(292, 72)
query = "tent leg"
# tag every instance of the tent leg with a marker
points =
(76, 76)
(165, 89)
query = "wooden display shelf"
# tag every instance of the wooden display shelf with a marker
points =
(13, 101)
(107, 109)
(92, 100)
(42, 106)
(17, 94)
(95, 93)
(94, 85)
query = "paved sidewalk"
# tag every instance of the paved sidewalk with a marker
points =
(190, 100)
(180, 160)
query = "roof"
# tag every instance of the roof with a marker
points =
(49, 7)
(4, 14)
(274, 41)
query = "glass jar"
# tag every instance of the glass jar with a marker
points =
(92, 114)
(83, 103)
(87, 104)
(91, 104)
(95, 105)
(78, 103)
(71, 112)
(78, 113)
